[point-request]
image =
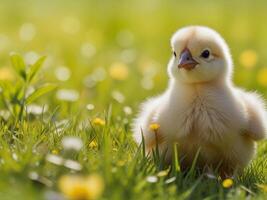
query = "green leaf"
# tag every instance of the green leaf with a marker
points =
(19, 65)
(40, 92)
(35, 68)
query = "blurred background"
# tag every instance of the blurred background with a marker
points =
(104, 52)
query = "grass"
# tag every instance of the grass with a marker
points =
(102, 59)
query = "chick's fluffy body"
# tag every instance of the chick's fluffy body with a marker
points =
(202, 110)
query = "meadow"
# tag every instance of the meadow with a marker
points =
(72, 76)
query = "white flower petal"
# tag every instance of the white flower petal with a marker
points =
(72, 143)
(71, 164)
(57, 160)
(152, 179)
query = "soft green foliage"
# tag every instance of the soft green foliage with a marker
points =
(102, 58)
(16, 95)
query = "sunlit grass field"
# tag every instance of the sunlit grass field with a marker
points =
(72, 75)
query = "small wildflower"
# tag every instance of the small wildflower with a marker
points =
(98, 121)
(55, 152)
(71, 164)
(154, 126)
(95, 186)
(262, 77)
(90, 106)
(87, 50)
(248, 58)
(57, 160)
(127, 110)
(263, 187)
(163, 173)
(227, 183)
(170, 180)
(67, 95)
(93, 144)
(118, 96)
(62, 73)
(121, 163)
(78, 187)
(152, 179)
(72, 143)
(119, 71)
(6, 74)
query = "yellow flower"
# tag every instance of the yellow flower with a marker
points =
(248, 58)
(95, 186)
(93, 144)
(118, 71)
(121, 163)
(163, 173)
(227, 183)
(6, 74)
(262, 76)
(154, 126)
(55, 151)
(78, 187)
(263, 187)
(73, 187)
(98, 121)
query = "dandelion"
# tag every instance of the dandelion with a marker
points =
(95, 186)
(73, 187)
(154, 127)
(98, 121)
(248, 58)
(118, 71)
(262, 76)
(6, 74)
(78, 187)
(93, 144)
(227, 183)
(72, 143)
(263, 187)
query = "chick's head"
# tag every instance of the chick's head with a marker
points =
(199, 55)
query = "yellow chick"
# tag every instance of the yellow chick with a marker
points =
(201, 109)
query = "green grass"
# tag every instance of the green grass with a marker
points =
(88, 38)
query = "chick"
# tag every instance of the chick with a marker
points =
(201, 109)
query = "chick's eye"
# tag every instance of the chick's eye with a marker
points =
(174, 53)
(205, 54)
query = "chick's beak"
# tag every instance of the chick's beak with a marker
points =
(186, 60)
